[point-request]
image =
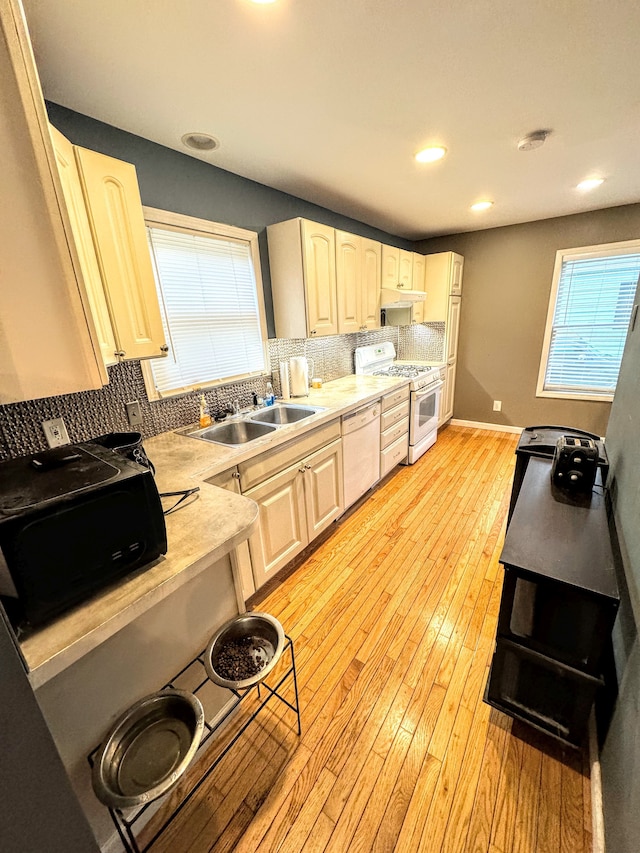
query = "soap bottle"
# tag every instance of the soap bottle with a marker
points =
(269, 397)
(205, 417)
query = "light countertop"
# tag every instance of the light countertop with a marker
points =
(194, 542)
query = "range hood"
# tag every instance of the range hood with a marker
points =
(391, 298)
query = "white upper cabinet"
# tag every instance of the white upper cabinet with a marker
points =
(443, 278)
(349, 281)
(48, 344)
(357, 282)
(390, 266)
(302, 260)
(114, 209)
(418, 284)
(77, 210)
(405, 270)
(371, 271)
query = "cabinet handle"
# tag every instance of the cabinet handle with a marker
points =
(313, 331)
(302, 470)
(235, 475)
(164, 348)
(120, 353)
(307, 467)
(400, 284)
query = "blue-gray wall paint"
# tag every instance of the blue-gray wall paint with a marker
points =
(173, 181)
(621, 750)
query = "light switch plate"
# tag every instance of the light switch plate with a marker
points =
(134, 413)
(55, 432)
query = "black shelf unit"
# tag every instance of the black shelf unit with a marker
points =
(559, 602)
(126, 820)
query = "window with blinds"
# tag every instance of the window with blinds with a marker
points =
(211, 305)
(591, 302)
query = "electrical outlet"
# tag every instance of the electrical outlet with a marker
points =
(55, 432)
(134, 413)
(497, 405)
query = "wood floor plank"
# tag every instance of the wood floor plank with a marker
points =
(394, 617)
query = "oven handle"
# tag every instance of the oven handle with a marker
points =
(417, 395)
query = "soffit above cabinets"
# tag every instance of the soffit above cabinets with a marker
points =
(329, 101)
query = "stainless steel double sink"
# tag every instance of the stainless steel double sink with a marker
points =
(254, 425)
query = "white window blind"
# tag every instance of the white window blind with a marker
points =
(208, 297)
(594, 299)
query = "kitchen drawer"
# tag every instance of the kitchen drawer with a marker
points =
(392, 416)
(394, 454)
(255, 470)
(388, 436)
(360, 418)
(395, 398)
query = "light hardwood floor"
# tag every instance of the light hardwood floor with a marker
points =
(393, 620)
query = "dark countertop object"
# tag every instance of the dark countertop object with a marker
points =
(561, 536)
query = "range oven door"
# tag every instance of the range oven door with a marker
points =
(423, 426)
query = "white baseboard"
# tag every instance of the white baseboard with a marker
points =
(479, 425)
(597, 809)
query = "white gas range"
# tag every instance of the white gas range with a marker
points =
(425, 385)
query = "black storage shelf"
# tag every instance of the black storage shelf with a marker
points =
(559, 603)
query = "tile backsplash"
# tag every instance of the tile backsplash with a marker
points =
(92, 413)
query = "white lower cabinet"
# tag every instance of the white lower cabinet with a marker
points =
(295, 506)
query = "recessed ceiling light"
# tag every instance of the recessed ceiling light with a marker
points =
(431, 154)
(589, 184)
(263, 2)
(482, 205)
(200, 141)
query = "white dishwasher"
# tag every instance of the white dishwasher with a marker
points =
(360, 451)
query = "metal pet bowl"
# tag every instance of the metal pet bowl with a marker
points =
(263, 639)
(148, 749)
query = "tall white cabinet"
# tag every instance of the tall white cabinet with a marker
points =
(443, 283)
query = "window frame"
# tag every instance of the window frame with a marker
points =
(169, 221)
(603, 250)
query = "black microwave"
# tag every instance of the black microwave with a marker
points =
(73, 520)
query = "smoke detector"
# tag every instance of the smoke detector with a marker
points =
(533, 140)
(200, 141)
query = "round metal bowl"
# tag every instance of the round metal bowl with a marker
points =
(148, 749)
(267, 642)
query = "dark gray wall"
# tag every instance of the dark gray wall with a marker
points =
(180, 183)
(39, 811)
(621, 751)
(507, 284)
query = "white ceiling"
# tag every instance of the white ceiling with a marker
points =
(330, 99)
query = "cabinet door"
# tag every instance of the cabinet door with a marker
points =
(390, 266)
(418, 284)
(437, 286)
(446, 397)
(348, 281)
(323, 488)
(48, 345)
(453, 327)
(283, 528)
(371, 276)
(457, 263)
(319, 262)
(406, 270)
(77, 211)
(115, 212)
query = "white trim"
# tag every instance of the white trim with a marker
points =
(597, 806)
(168, 220)
(479, 425)
(628, 247)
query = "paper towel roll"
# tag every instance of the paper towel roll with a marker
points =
(284, 380)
